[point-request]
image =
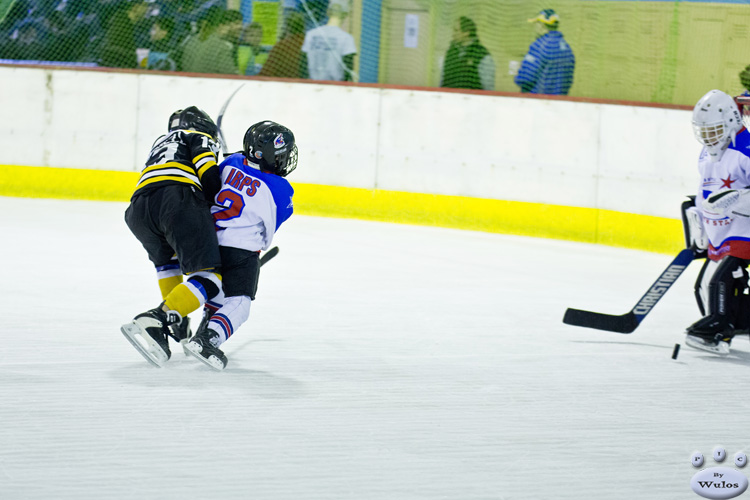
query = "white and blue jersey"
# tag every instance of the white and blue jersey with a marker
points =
(250, 206)
(548, 66)
(726, 235)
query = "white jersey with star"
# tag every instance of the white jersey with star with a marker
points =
(727, 235)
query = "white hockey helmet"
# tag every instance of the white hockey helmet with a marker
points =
(716, 121)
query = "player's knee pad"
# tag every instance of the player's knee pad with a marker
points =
(722, 288)
(231, 316)
(205, 283)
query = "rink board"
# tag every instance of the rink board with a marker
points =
(528, 219)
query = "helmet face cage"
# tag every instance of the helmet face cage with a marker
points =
(711, 134)
(289, 163)
(272, 147)
(192, 118)
(716, 121)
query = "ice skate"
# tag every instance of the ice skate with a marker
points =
(181, 331)
(203, 346)
(711, 334)
(714, 346)
(148, 334)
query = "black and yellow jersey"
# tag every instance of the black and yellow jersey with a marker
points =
(186, 157)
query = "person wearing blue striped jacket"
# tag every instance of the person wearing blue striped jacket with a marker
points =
(549, 64)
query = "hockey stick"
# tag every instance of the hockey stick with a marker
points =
(270, 254)
(628, 322)
(223, 141)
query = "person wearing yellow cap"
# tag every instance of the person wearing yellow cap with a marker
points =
(549, 64)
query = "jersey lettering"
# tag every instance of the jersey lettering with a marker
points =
(164, 151)
(232, 203)
(238, 181)
(233, 178)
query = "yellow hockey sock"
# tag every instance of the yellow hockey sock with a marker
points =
(166, 285)
(182, 299)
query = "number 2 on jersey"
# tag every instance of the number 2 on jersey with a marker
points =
(233, 209)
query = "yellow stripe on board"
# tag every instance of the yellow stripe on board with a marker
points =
(67, 183)
(589, 225)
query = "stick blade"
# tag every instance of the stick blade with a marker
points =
(625, 323)
(270, 254)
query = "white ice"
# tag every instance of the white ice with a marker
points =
(380, 362)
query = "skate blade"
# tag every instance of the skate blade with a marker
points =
(212, 361)
(183, 343)
(144, 344)
(720, 349)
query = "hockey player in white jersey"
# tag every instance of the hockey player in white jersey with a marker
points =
(254, 200)
(719, 224)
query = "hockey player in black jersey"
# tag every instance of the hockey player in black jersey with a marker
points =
(170, 215)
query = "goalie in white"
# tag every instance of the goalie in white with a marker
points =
(718, 225)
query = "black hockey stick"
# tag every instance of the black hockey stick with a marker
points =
(628, 322)
(223, 141)
(270, 254)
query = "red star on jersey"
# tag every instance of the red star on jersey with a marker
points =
(727, 183)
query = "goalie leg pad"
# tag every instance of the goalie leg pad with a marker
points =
(721, 291)
(701, 285)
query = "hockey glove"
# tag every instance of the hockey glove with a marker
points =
(729, 202)
(696, 235)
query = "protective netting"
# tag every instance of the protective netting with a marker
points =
(653, 51)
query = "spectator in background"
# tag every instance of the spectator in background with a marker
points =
(205, 24)
(16, 13)
(162, 45)
(250, 55)
(285, 56)
(65, 41)
(745, 80)
(27, 41)
(118, 45)
(549, 64)
(88, 26)
(140, 14)
(210, 50)
(184, 13)
(328, 51)
(468, 64)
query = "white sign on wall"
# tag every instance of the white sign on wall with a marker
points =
(411, 31)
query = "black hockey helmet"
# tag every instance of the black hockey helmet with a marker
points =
(193, 118)
(271, 146)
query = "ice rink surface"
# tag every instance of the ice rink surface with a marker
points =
(380, 362)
